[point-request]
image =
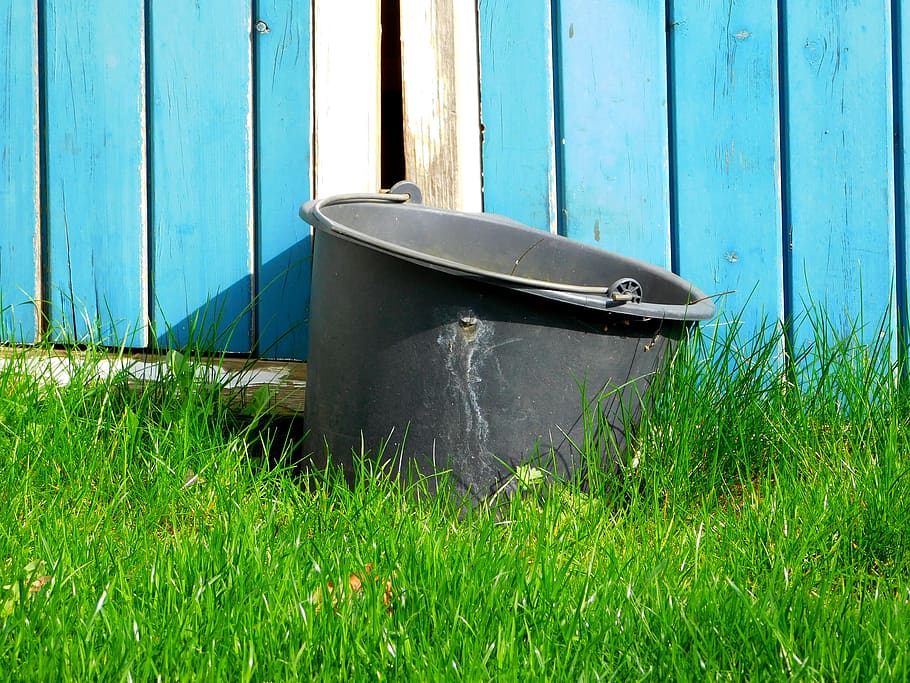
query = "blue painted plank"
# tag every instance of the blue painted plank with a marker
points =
(901, 19)
(727, 154)
(840, 131)
(613, 125)
(20, 235)
(517, 106)
(283, 147)
(96, 201)
(203, 217)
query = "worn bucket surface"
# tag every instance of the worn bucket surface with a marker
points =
(470, 344)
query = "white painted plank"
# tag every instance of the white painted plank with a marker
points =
(346, 95)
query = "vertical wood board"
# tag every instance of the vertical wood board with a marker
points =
(467, 105)
(20, 194)
(203, 214)
(840, 131)
(613, 126)
(901, 21)
(727, 153)
(346, 96)
(226, 179)
(441, 105)
(284, 123)
(96, 168)
(517, 106)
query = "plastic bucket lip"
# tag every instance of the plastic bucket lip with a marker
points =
(700, 307)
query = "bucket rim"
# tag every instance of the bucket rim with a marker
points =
(699, 307)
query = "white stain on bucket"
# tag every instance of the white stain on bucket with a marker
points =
(467, 344)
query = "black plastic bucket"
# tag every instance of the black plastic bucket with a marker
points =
(471, 343)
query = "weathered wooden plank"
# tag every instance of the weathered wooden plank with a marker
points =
(727, 153)
(441, 101)
(346, 96)
(277, 387)
(96, 163)
(202, 181)
(20, 236)
(516, 92)
(613, 126)
(840, 131)
(283, 93)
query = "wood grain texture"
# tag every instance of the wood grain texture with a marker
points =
(840, 132)
(594, 112)
(517, 105)
(441, 105)
(284, 123)
(202, 177)
(20, 194)
(346, 96)
(727, 153)
(613, 133)
(96, 170)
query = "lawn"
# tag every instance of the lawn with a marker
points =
(763, 533)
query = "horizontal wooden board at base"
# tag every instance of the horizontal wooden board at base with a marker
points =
(241, 379)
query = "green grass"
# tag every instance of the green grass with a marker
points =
(764, 533)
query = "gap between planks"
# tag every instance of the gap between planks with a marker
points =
(239, 377)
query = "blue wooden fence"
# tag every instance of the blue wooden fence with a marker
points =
(153, 154)
(750, 145)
